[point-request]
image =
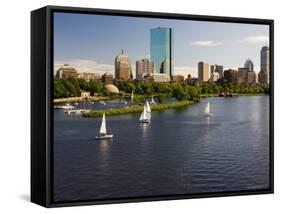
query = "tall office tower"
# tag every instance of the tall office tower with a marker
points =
(143, 66)
(242, 75)
(123, 68)
(161, 50)
(265, 66)
(265, 59)
(203, 72)
(249, 65)
(230, 76)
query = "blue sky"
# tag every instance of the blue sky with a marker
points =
(91, 42)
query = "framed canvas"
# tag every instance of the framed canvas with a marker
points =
(131, 106)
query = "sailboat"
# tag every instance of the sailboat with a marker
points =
(132, 96)
(103, 133)
(146, 114)
(207, 110)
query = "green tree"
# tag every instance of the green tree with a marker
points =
(96, 87)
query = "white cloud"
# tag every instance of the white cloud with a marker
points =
(85, 65)
(256, 39)
(206, 43)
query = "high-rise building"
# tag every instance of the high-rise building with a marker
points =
(123, 68)
(67, 72)
(251, 78)
(161, 50)
(203, 72)
(89, 76)
(230, 76)
(246, 75)
(107, 78)
(242, 75)
(249, 65)
(158, 77)
(265, 59)
(143, 66)
(263, 77)
(216, 72)
(177, 78)
(217, 69)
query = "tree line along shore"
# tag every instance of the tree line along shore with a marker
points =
(71, 88)
(66, 90)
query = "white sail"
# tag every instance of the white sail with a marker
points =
(132, 96)
(148, 111)
(103, 125)
(207, 108)
(144, 114)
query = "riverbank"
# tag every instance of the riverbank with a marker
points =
(135, 109)
(216, 95)
(77, 99)
(246, 95)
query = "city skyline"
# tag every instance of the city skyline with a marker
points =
(90, 43)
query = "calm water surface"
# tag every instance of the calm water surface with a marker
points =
(181, 151)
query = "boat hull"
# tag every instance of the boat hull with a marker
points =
(144, 121)
(108, 136)
(75, 111)
(208, 114)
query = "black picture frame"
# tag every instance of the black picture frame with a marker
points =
(42, 104)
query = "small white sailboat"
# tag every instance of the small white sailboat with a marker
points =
(207, 112)
(146, 114)
(132, 96)
(103, 133)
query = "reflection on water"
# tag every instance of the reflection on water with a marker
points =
(104, 145)
(181, 151)
(144, 128)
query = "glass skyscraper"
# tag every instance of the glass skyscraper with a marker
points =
(161, 50)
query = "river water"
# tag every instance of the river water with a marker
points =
(180, 152)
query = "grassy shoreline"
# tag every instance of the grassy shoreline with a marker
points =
(135, 109)
(76, 99)
(245, 95)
